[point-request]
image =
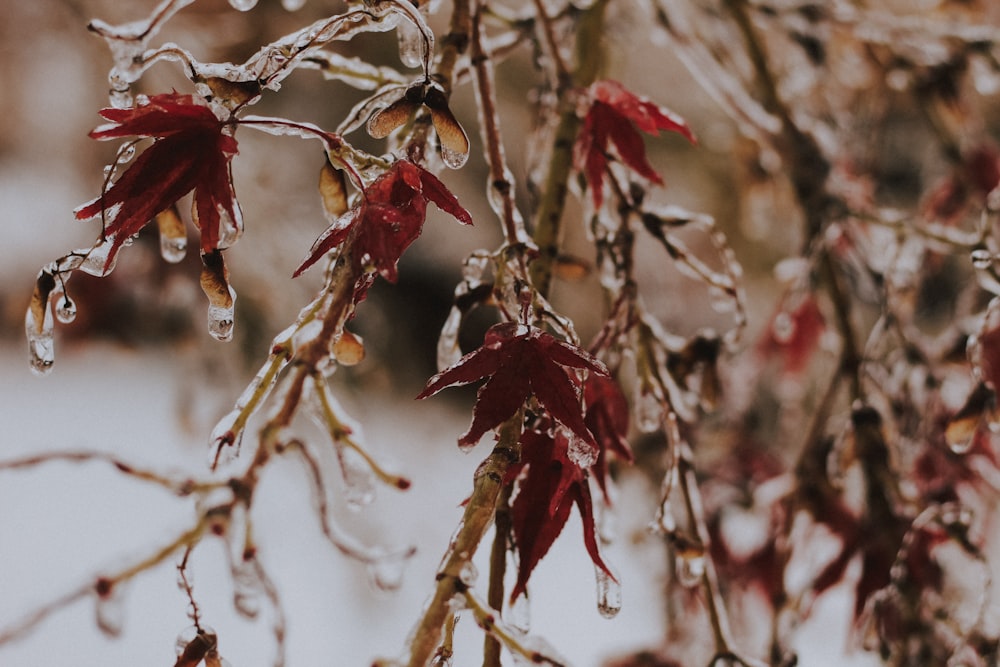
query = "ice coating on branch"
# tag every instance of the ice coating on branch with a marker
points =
(359, 480)
(293, 5)
(518, 614)
(243, 5)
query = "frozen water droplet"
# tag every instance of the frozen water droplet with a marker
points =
(359, 480)
(519, 614)
(65, 309)
(961, 434)
(648, 411)
(453, 159)
(721, 300)
(41, 342)
(783, 328)
(349, 349)
(609, 594)
(109, 610)
(690, 566)
(246, 589)
(582, 453)
(981, 258)
(243, 5)
(221, 319)
(386, 572)
(173, 250)
(411, 44)
(293, 5)
(184, 638)
(468, 574)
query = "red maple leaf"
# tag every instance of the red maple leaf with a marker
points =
(615, 115)
(607, 417)
(520, 362)
(545, 496)
(191, 151)
(389, 218)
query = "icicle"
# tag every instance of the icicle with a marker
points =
(109, 608)
(609, 594)
(648, 410)
(386, 571)
(453, 159)
(448, 350)
(359, 480)
(469, 574)
(411, 44)
(243, 5)
(246, 589)
(230, 226)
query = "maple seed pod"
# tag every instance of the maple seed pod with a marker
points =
(333, 191)
(449, 130)
(384, 122)
(215, 280)
(349, 350)
(40, 299)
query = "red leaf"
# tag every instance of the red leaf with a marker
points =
(520, 362)
(794, 334)
(607, 417)
(389, 218)
(614, 116)
(190, 152)
(545, 496)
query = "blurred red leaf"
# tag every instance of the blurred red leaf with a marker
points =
(614, 116)
(390, 217)
(545, 496)
(191, 151)
(520, 362)
(607, 417)
(793, 335)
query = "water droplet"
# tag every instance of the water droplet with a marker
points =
(519, 614)
(609, 594)
(221, 319)
(109, 609)
(293, 5)
(243, 5)
(783, 328)
(690, 566)
(453, 159)
(411, 44)
(65, 309)
(386, 572)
